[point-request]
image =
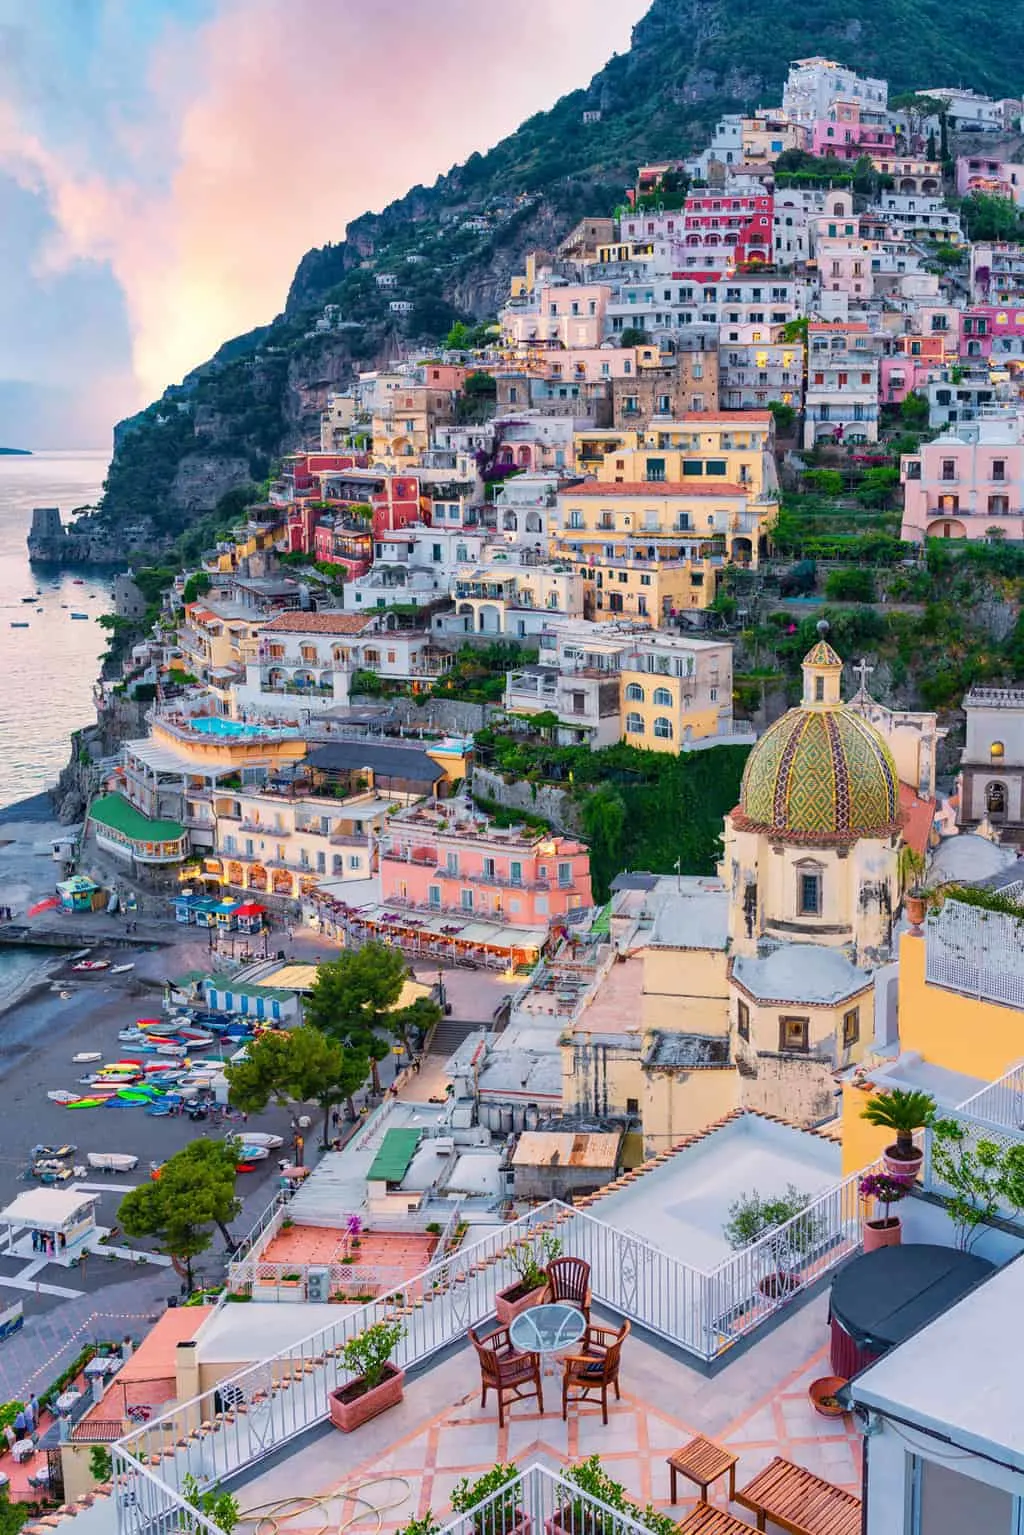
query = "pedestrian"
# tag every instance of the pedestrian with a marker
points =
(10, 1436)
(32, 1413)
(336, 1118)
(20, 1423)
(245, 1117)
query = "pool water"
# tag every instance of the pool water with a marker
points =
(215, 725)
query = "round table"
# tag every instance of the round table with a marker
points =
(880, 1298)
(547, 1330)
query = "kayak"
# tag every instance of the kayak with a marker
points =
(86, 1055)
(86, 1103)
(59, 1095)
(121, 969)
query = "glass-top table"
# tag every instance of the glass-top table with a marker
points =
(547, 1329)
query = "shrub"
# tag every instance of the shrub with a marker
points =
(856, 585)
(501, 1514)
(752, 1216)
(368, 1354)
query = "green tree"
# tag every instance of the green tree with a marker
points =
(302, 1066)
(914, 412)
(634, 336)
(354, 999)
(12, 1515)
(194, 1191)
(196, 586)
(603, 817)
(101, 1463)
(987, 217)
(784, 414)
(828, 481)
(857, 585)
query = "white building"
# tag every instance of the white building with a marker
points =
(967, 111)
(812, 85)
(992, 767)
(726, 147)
(413, 565)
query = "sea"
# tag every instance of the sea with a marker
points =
(47, 671)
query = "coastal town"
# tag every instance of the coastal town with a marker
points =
(529, 1033)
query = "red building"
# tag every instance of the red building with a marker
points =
(741, 221)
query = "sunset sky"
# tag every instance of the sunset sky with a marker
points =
(165, 163)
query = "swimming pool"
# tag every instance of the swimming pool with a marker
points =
(216, 725)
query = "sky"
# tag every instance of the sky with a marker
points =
(164, 164)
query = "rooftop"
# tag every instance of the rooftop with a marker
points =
(117, 813)
(800, 972)
(320, 623)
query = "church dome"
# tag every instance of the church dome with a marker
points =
(821, 773)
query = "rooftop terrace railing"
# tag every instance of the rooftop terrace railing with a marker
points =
(221, 1432)
(1000, 1102)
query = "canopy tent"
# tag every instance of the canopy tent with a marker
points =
(60, 1222)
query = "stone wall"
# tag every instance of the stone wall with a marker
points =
(554, 804)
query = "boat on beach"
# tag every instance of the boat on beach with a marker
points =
(92, 964)
(111, 1161)
(86, 1055)
(122, 969)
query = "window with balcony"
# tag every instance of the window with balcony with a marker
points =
(488, 868)
(515, 871)
(452, 863)
(565, 875)
(466, 900)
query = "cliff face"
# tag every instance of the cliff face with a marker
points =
(689, 61)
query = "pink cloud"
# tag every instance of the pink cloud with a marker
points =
(296, 116)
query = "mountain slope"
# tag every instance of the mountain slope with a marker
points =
(689, 61)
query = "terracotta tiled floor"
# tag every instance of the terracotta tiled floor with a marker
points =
(324, 1244)
(758, 1406)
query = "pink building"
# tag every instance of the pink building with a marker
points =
(967, 482)
(993, 332)
(741, 221)
(998, 178)
(843, 136)
(908, 369)
(473, 869)
(569, 315)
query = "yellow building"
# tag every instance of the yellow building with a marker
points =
(676, 690)
(736, 448)
(217, 640)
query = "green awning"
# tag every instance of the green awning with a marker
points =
(391, 1163)
(115, 811)
(602, 923)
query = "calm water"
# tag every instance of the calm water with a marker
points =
(47, 670)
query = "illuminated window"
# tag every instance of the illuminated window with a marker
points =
(851, 1027)
(794, 1034)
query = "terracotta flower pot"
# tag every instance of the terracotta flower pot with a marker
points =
(353, 1405)
(902, 1166)
(779, 1285)
(822, 1394)
(914, 906)
(882, 1233)
(508, 1303)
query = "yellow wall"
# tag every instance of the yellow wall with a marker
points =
(862, 1143)
(960, 1033)
(747, 458)
(685, 991)
(677, 1103)
(701, 722)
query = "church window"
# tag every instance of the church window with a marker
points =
(997, 749)
(743, 1020)
(819, 689)
(810, 895)
(851, 1027)
(995, 799)
(634, 692)
(794, 1033)
(634, 725)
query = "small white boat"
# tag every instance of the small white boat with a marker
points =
(86, 1055)
(79, 954)
(179, 1052)
(122, 969)
(61, 1095)
(111, 1161)
(92, 964)
(258, 1138)
(251, 1153)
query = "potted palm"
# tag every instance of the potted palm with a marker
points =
(903, 1110)
(499, 1491)
(529, 1257)
(887, 1189)
(910, 866)
(378, 1384)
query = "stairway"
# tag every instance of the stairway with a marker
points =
(449, 1035)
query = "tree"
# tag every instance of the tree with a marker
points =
(987, 217)
(194, 1190)
(784, 414)
(303, 1066)
(196, 586)
(634, 336)
(914, 411)
(354, 998)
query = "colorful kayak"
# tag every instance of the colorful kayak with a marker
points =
(86, 1103)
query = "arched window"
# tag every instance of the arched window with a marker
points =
(663, 697)
(634, 725)
(995, 798)
(663, 728)
(634, 692)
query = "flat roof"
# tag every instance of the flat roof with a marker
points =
(45, 1207)
(233, 1335)
(959, 1377)
(114, 811)
(412, 762)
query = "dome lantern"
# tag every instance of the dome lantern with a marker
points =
(823, 673)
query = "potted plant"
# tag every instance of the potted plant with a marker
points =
(378, 1384)
(578, 1516)
(910, 866)
(903, 1110)
(888, 1189)
(753, 1217)
(823, 1394)
(529, 1257)
(500, 1490)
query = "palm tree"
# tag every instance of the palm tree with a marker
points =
(903, 1110)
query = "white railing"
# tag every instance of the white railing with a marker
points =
(975, 1129)
(347, 1280)
(1000, 1102)
(267, 1227)
(540, 1499)
(147, 1505)
(976, 952)
(252, 1413)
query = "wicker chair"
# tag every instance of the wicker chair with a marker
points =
(503, 1369)
(569, 1282)
(595, 1369)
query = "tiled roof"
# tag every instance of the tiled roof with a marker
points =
(319, 623)
(657, 488)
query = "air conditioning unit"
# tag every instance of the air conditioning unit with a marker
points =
(444, 1145)
(318, 1286)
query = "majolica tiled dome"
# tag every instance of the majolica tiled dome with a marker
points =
(821, 773)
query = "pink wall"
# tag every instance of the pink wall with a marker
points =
(957, 486)
(414, 859)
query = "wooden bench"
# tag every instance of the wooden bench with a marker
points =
(706, 1520)
(800, 1502)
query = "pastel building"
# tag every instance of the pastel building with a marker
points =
(813, 85)
(472, 868)
(756, 367)
(993, 177)
(909, 173)
(997, 274)
(842, 135)
(967, 481)
(739, 223)
(557, 314)
(505, 597)
(282, 842)
(841, 402)
(908, 369)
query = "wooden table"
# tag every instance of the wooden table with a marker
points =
(800, 1502)
(702, 1461)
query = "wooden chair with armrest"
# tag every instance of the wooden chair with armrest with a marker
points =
(514, 1376)
(595, 1368)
